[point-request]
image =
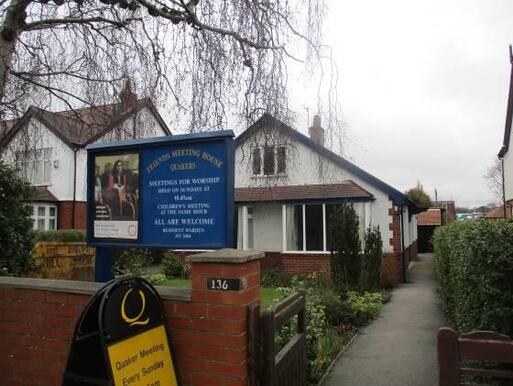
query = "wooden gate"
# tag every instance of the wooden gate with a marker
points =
(288, 366)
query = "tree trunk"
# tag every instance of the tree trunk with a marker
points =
(9, 32)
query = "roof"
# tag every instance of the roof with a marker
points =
(346, 190)
(498, 212)
(432, 216)
(43, 194)
(509, 114)
(267, 120)
(79, 127)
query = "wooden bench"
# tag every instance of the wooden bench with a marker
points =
(478, 346)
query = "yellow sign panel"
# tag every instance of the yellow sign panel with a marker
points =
(143, 360)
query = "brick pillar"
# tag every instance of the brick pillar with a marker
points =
(221, 345)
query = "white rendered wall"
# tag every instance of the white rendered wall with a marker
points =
(37, 136)
(305, 167)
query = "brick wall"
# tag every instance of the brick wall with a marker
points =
(65, 215)
(208, 328)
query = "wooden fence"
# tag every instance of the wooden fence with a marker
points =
(288, 366)
(478, 347)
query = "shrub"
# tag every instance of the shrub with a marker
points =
(364, 307)
(16, 234)
(474, 267)
(345, 260)
(132, 261)
(65, 236)
(172, 266)
(371, 260)
(155, 278)
(274, 278)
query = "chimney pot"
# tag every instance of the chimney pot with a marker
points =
(127, 97)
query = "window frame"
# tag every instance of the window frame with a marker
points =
(276, 161)
(46, 217)
(28, 161)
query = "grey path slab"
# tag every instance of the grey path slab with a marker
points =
(398, 348)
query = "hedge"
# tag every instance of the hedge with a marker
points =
(64, 236)
(474, 270)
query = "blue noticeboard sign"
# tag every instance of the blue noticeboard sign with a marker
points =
(166, 192)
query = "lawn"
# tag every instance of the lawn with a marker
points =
(267, 295)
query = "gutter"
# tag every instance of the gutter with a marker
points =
(75, 150)
(403, 263)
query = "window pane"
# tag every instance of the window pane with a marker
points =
(51, 224)
(268, 160)
(52, 211)
(314, 227)
(41, 224)
(256, 161)
(46, 173)
(38, 172)
(281, 153)
(294, 226)
(41, 211)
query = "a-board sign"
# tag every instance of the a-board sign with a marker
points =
(121, 339)
(168, 192)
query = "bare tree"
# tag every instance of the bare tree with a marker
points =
(494, 180)
(208, 60)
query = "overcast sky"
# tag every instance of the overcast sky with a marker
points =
(423, 90)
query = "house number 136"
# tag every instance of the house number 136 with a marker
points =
(219, 284)
(223, 284)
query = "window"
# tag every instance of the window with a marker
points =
(256, 160)
(35, 166)
(306, 226)
(268, 160)
(44, 216)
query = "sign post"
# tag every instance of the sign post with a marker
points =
(170, 192)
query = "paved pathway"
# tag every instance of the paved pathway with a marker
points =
(399, 348)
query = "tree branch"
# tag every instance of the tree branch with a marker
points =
(49, 23)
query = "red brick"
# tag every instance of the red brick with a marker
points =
(199, 379)
(56, 297)
(227, 369)
(226, 312)
(191, 309)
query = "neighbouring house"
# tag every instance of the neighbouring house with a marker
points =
(427, 222)
(449, 210)
(285, 187)
(505, 153)
(498, 212)
(48, 149)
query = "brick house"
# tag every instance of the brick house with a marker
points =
(285, 186)
(48, 149)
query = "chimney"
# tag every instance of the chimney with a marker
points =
(316, 132)
(127, 97)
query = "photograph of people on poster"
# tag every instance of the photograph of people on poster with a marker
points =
(116, 195)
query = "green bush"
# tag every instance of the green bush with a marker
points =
(64, 236)
(172, 266)
(132, 261)
(155, 278)
(274, 278)
(474, 270)
(371, 260)
(364, 306)
(16, 234)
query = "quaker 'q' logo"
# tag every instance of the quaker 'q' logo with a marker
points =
(135, 321)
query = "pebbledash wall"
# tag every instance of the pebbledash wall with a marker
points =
(209, 329)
